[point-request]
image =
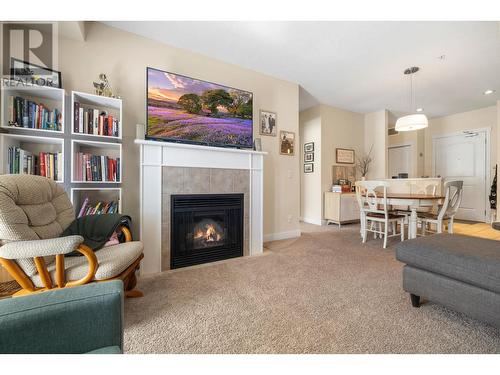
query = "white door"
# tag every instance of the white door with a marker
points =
(400, 160)
(463, 157)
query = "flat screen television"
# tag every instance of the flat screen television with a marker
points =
(189, 110)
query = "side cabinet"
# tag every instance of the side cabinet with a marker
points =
(341, 208)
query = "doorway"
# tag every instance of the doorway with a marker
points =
(465, 156)
(400, 160)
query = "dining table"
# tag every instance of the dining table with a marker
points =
(413, 202)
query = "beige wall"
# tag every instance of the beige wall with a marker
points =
(310, 197)
(329, 128)
(124, 58)
(376, 124)
(479, 118)
(339, 129)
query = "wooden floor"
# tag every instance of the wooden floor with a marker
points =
(482, 230)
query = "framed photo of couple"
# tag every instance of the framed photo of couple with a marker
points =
(268, 123)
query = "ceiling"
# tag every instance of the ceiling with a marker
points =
(354, 65)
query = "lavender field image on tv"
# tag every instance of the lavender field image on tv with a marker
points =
(187, 109)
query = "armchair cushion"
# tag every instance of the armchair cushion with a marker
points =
(32, 208)
(112, 260)
(70, 320)
(40, 248)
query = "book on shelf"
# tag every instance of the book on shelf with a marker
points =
(98, 208)
(95, 122)
(47, 164)
(97, 168)
(25, 113)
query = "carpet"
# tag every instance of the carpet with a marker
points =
(324, 292)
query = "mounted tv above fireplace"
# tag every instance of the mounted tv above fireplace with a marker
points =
(188, 110)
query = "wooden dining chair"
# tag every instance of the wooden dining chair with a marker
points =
(447, 211)
(373, 208)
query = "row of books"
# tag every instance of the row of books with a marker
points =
(90, 167)
(93, 121)
(47, 164)
(28, 114)
(98, 208)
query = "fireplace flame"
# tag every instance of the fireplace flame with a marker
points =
(209, 234)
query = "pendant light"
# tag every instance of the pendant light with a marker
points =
(414, 121)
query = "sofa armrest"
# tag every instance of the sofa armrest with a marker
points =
(70, 320)
(40, 248)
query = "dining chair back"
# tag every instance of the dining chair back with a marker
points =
(373, 208)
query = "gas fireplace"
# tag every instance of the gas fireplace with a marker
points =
(205, 228)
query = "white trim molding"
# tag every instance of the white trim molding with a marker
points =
(282, 235)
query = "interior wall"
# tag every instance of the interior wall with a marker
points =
(479, 118)
(375, 138)
(310, 196)
(124, 57)
(329, 128)
(339, 129)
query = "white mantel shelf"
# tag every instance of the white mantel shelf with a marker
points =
(157, 154)
(198, 147)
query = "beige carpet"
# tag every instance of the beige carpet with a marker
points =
(322, 293)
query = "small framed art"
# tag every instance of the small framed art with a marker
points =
(268, 123)
(309, 168)
(309, 157)
(309, 147)
(344, 156)
(287, 143)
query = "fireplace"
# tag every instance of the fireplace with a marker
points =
(205, 228)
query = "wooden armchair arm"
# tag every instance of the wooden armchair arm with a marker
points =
(25, 282)
(126, 233)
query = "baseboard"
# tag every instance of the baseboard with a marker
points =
(312, 221)
(282, 235)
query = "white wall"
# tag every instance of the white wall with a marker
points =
(310, 197)
(124, 57)
(376, 124)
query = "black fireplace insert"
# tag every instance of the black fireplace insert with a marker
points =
(205, 228)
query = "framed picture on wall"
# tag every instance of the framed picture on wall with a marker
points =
(309, 147)
(268, 123)
(309, 168)
(30, 73)
(309, 157)
(344, 156)
(287, 143)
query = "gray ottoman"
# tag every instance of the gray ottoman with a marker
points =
(459, 272)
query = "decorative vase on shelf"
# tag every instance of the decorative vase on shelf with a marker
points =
(363, 178)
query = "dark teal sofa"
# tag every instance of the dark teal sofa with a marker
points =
(84, 319)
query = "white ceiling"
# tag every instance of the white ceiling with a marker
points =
(354, 65)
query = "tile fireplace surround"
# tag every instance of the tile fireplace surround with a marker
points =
(174, 168)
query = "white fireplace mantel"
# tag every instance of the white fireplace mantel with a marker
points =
(155, 155)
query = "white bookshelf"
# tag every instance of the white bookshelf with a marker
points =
(95, 195)
(113, 150)
(111, 105)
(50, 97)
(33, 144)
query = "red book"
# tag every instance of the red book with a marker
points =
(41, 160)
(110, 125)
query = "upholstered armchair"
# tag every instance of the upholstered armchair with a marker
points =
(34, 212)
